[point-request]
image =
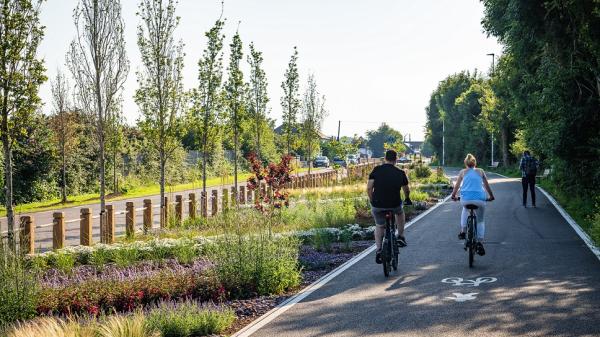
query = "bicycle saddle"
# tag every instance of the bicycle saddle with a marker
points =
(471, 206)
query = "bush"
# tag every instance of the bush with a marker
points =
(188, 319)
(125, 326)
(422, 171)
(322, 239)
(18, 288)
(51, 327)
(595, 226)
(256, 264)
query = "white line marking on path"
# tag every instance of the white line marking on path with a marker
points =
(583, 235)
(458, 297)
(459, 281)
(263, 320)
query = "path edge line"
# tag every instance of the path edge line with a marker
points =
(580, 232)
(284, 306)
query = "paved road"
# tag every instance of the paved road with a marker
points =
(548, 282)
(43, 236)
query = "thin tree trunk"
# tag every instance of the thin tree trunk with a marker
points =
(115, 187)
(204, 151)
(8, 186)
(162, 184)
(64, 176)
(235, 156)
(504, 140)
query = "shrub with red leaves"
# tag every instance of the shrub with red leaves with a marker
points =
(275, 176)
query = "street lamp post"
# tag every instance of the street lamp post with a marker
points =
(493, 66)
(443, 142)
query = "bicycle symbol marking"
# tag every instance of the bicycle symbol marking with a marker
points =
(459, 281)
(460, 297)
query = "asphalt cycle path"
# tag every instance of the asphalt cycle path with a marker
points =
(538, 278)
(43, 236)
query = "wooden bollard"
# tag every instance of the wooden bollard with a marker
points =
(27, 235)
(108, 236)
(85, 229)
(225, 200)
(234, 197)
(242, 195)
(164, 213)
(204, 204)
(192, 206)
(214, 202)
(129, 219)
(179, 209)
(58, 230)
(148, 215)
(249, 196)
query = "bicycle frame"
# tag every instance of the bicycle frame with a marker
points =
(389, 246)
(471, 240)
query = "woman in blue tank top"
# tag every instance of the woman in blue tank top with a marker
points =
(473, 185)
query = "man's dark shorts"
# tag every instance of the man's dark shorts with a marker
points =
(379, 213)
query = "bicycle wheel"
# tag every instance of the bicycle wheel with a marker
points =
(395, 252)
(387, 250)
(471, 240)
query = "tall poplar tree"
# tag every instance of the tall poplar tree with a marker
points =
(206, 96)
(290, 101)
(21, 74)
(160, 92)
(313, 114)
(258, 97)
(234, 99)
(99, 65)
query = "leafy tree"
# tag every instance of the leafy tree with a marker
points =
(206, 96)
(290, 101)
(63, 123)
(160, 90)
(21, 74)
(258, 99)
(99, 65)
(382, 138)
(234, 99)
(313, 114)
(114, 142)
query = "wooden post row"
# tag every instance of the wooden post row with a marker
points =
(85, 230)
(192, 206)
(204, 204)
(179, 209)
(214, 202)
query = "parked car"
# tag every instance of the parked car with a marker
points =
(403, 160)
(321, 161)
(339, 161)
(352, 159)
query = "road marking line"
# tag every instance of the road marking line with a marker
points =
(582, 234)
(290, 302)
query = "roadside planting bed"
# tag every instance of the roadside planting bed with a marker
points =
(205, 277)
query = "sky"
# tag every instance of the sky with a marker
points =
(375, 61)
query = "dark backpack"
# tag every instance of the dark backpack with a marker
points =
(530, 166)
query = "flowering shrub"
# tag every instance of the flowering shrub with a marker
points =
(95, 296)
(275, 176)
(122, 254)
(355, 231)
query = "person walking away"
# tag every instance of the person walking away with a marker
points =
(528, 166)
(383, 189)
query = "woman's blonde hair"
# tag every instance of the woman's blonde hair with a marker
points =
(470, 160)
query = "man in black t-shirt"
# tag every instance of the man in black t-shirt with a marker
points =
(383, 188)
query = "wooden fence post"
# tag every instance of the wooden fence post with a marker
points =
(164, 213)
(204, 204)
(27, 235)
(179, 209)
(234, 197)
(192, 206)
(109, 234)
(148, 215)
(242, 195)
(130, 219)
(58, 230)
(214, 202)
(225, 200)
(85, 229)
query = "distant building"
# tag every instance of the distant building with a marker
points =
(279, 130)
(413, 146)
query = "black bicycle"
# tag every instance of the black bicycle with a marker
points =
(471, 235)
(389, 251)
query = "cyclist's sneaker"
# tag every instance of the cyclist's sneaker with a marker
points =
(462, 236)
(401, 241)
(479, 249)
(378, 257)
